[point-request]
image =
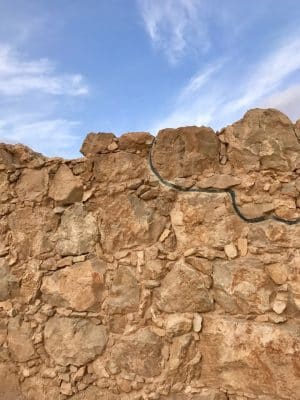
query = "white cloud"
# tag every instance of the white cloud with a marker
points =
(212, 97)
(32, 109)
(54, 137)
(19, 76)
(173, 25)
(268, 74)
(287, 101)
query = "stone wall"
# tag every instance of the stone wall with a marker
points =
(154, 269)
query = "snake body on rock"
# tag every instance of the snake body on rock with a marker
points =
(230, 192)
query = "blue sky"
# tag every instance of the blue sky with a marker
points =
(69, 67)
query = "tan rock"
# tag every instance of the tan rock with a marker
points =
(77, 233)
(66, 388)
(139, 353)
(178, 324)
(33, 184)
(135, 141)
(128, 221)
(251, 146)
(65, 187)
(32, 230)
(79, 287)
(125, 292)
(73, 341)
(220, 181)
(96, 143)
(9, 388)
(187, 151)
(197, 323)
(241, 289)
(278, 273)
(19, 340)
(242, 245)
(38, 388)
(240, 354)
(280, 302)
(184, 290)
(230, 250)
(8, 282)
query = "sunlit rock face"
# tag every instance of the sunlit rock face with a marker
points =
(154, 268)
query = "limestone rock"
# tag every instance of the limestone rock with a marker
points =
(96, 143)
(30, 282)
(73, 340)
(65, 187)
(127, 221)
(230, 250)
(8, 282)
(33, 184)
(220, 181)
(197, 323)
(240, 354)
(125, 292)
(250, 144)
(135, 142)
(139, 353)
(239, 288)
(32, 230)
(9, 387)
(183, 152)
(38, 388)
(183, 290)
(19, 340)
(79, 286)
(77, 233)
(278, 273)
(129, 166)
(178, 324)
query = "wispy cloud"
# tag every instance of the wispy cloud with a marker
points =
(32, 101)
(268, 74)
(19, 76)
(287, 100)
(174, 24)
(54, 136)
(214, 97)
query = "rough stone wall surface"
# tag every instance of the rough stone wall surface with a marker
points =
(164, 268)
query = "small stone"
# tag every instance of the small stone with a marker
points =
(49, 373)
(178, 324)
(242, 245)
(278, 273)
(124, 385)
(25, 372)
(164, 235)
(230, 250)
(64, 377)
(79, 374)
(66, 388)
(197, 323)
(277, 319)
(113, 146)
(64, 262)
(81, 386)
(190, 252)
(280, 303)
(77, 259)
